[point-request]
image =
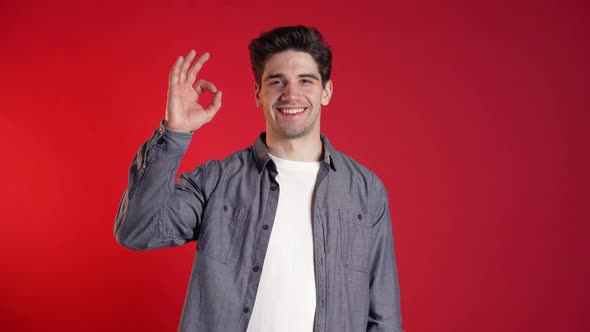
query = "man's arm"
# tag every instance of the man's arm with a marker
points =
(384, 306)
(153, 212)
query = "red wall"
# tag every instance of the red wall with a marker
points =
(474, 115)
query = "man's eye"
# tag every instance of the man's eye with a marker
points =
(306, 81)
(276, 82)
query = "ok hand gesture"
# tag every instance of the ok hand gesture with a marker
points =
(183, 111)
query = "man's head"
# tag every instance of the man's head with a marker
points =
(298, 38)
(292, 70)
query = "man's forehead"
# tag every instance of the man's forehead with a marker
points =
(290, 63)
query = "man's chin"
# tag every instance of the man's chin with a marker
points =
(292, 134)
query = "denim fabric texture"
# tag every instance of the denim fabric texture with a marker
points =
(229, 207)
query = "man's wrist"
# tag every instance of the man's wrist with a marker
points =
(167, 126)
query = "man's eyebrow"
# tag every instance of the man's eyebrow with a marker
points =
(310, 75)
(279, 75)
(271, 76)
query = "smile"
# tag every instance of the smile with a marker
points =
(291, 111)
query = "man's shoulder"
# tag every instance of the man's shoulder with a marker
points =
(236, 160)
(359, 180)
(347, 164)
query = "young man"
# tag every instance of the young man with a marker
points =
(292, 234)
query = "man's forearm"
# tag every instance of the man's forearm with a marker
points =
(144, 207)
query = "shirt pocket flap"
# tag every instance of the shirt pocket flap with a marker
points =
(223, 231)
(356, 239)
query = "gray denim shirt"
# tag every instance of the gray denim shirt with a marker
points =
(229, 207)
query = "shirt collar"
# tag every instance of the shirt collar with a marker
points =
(262, 157)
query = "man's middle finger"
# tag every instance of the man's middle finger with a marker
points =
(187, 61)
(195, 67)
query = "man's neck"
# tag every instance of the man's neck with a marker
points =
(306, 148)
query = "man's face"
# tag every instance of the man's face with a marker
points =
(291, 95)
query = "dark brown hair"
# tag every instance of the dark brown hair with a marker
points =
(298, 38)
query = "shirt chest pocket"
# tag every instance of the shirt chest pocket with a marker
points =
(356, 239)
(222, 231)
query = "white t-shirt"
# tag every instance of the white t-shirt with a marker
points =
(286, 297)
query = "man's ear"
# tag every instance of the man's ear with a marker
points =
(257, 95)
(327, 93)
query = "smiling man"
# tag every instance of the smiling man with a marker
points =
(293, 235)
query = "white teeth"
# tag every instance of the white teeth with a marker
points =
(291, 110)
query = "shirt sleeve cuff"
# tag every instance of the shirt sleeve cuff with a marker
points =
(171, 140)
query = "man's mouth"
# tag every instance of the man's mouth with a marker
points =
(291, 110)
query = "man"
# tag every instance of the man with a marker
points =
(292, 234)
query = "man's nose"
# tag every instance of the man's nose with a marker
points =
(290, 92)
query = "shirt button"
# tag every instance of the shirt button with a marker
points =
(255, 269)
(360, 216)
(245, 310)
(225, 208)
(160, 130)
(161, 141)
(265, 227)
(273, 187)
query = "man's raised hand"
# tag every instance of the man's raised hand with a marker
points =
(183, 111)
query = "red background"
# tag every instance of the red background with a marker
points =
(474, 115)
